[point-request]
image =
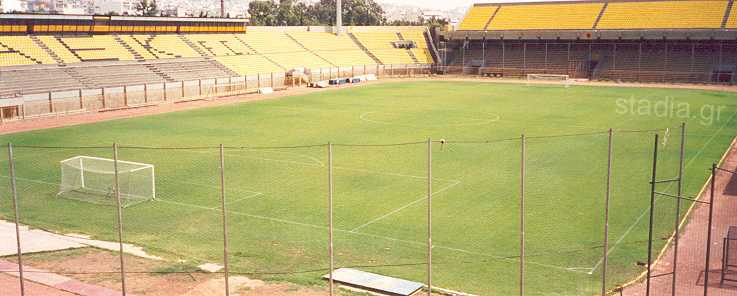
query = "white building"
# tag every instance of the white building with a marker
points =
(121, 7)
(13, 5)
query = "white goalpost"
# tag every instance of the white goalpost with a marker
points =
(92, 179)
(565, 79)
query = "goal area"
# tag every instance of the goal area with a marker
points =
(92, 179)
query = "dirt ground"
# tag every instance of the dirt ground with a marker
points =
(143, 276)
(11, 286)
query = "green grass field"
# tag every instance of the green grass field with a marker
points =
(277, 198)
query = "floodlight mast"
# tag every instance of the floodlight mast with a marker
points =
(338, 17)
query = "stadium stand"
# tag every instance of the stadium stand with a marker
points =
(58, 49)
(478, 17)
(37, 80)
(136, 48)
(422, 51)
(218, 44)
(627, 40)
(546, 17)
(249, 64)
(663, 15)
(97, 48)
(283, 50)
(166, 46)
(338, 50)
(21, 50)
(380, 44)
(44, 56)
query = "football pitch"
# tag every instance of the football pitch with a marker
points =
(276, 176)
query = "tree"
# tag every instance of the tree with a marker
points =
(147, 8)
(263, 13)
(298, 13)
(303, 15)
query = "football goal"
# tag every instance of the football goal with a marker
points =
(549, 78)
(92, 179)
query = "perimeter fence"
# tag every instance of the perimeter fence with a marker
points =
(575, 214)
(60, 102)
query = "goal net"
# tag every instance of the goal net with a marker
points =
(92, 179)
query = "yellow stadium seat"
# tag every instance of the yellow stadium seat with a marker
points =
(280, 48)
(339, 50)
(137, 47)
(379, 43)
(167, 46)
(701, 14)
(422, 52)
(249, 64)
(579, 16)
(219, 44)
(477, 17)
(59, 49)
(98, 47)
(25, 46)
(14, 59)
(732, 21)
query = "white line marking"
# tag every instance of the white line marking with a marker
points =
(397, 210)
(496, 257)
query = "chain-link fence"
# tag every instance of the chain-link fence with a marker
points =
(536, 215)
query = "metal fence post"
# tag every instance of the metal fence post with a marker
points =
(607, 196)
(182, 88)
(125, 95)
(522, 216)
(199, 87)
(258, 80)
(51, 104)
(104, 103)
(330, 217)
(653, 183)
(145, 93)
(14, 192)
(245, 83)
(225, 220)
(708, 229)
(429, 217)
(164, 90)
(119, 216)
(81, 100)
(272, 79)
(679, 191)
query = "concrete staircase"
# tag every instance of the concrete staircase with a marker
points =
(193, 46)
(364, 48)
(51, 53)
(409, 51)
(258, 53)
(309, 50)
(127, 47)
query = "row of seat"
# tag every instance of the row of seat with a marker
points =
(284, 50)
(612, 15)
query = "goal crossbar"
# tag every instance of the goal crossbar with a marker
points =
(93, 179)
